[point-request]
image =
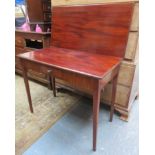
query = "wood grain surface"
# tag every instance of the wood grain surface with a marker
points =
(93, 28)
(89, 64)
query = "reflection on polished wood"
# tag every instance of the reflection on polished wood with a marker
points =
(92, 28)
(89, 64)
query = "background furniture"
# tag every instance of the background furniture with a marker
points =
(39, 12)
(127, 85)
(28, 41)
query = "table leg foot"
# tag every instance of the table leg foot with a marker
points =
(54, 87)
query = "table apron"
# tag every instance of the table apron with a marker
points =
(76, 80)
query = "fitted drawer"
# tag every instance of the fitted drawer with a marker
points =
(36, 67)
(39, 74)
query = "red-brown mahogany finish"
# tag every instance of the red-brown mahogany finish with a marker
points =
(90, 43)
(89, 64)
(92, 28)
(81, 69)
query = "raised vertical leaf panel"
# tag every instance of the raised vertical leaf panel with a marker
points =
(99, 29)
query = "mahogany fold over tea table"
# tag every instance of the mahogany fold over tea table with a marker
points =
(80, 69)
(87, 46)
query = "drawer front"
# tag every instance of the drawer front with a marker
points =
(47, 6)
(36, 70)
(38, 74)
(47, 16)
(19, 41)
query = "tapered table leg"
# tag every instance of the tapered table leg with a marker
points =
(27, 89)
(50, 86)
(96, 105)
(114, 85)
(54, 87)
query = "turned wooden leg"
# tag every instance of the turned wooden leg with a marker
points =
(51, 84)
(27, 89)
(114, 85)
(54, 87)
(96, 105)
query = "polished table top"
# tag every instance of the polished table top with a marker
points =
(89, 64)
